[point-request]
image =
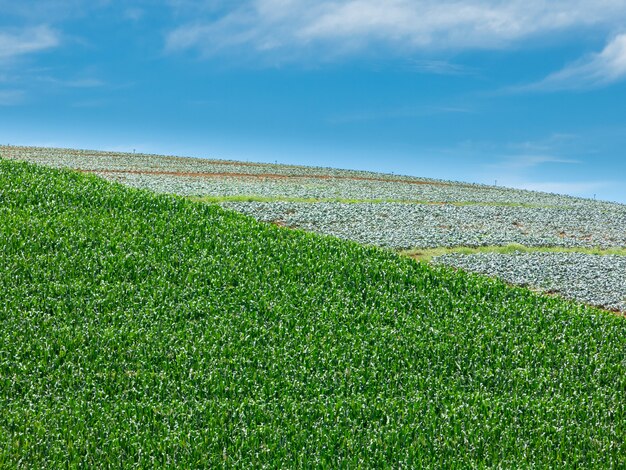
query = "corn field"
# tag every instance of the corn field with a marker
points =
(145, 330)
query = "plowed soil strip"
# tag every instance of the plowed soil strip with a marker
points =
(263, 176)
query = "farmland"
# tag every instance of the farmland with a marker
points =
(394, 212)
(152, 330)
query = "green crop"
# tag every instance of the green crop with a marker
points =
(142, 330)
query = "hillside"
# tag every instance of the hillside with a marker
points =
(152, 330)
(585, 240)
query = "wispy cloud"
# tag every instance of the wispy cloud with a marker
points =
(519, 162)
(555, 142)
(74, 83)
(14, 43)
(405, 25)
(595, 70)
(133, 14)
(11, 97)
(49, 11)
(439, 67)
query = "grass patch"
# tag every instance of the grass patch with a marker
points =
(253, 198)
(428, 254)
(147, 330)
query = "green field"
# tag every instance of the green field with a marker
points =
(148, 330)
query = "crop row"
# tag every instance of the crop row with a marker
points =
(316, 188)
(497, 216)
(402, 226)
(228, 178)
(99, 160)
(593, 279)
(148, 330)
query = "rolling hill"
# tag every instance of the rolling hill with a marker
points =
(146, 330)
(519, 236)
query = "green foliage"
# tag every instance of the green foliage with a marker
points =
(143, 330)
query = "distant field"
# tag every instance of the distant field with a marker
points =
(150, 330)
(222, 179)
(396, 212)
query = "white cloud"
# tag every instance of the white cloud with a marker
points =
(74, 83)
(11, 97)
(519, 162)
(29, 40)
(133, 14)
(439, 67)
(603, 68)
(557, 141)
(348, 25)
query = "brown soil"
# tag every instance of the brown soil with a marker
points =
(263, 176)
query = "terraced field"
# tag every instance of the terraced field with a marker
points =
(391, 211)
(140, 330)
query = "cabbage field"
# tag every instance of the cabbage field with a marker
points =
(146, 330)
(396, 212)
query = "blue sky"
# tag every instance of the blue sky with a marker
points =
(529, 93)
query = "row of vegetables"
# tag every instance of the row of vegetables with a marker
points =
(206, 177)
(389, 211)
